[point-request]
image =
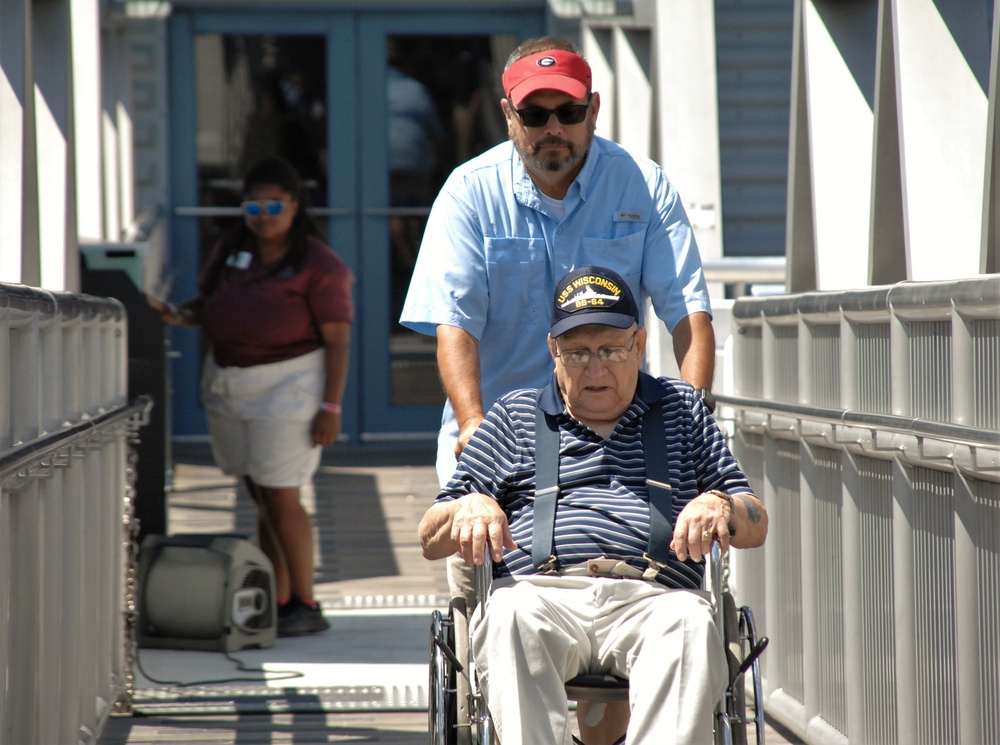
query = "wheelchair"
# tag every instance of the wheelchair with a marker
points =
(457, 711)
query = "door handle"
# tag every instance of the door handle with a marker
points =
(397, 211)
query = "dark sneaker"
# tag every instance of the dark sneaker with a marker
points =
(296, 618)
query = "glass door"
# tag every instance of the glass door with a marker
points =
(440, 111)
(441, 106)
(375, 109)
(241, 90)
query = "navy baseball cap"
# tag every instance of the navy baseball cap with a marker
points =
(592, 294)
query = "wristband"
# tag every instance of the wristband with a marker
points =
(707, 398)
(732, 506)
(330, 408)
(722, 495)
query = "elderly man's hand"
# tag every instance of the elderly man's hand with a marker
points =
(479, 522)
(703, 518)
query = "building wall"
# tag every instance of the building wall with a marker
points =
(890, 170)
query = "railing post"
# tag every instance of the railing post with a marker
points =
(968, 612)
(853, 577)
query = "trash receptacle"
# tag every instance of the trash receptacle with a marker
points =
(120, 271)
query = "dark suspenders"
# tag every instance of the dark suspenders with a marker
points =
(661, 500)
(546, 489)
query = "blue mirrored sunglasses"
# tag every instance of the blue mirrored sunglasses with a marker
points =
(272, 207)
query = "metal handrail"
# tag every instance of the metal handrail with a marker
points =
(237, 212)
(35, 451)
(887, 422)
(745, 269)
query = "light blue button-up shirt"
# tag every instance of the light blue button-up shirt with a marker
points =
(492, 252)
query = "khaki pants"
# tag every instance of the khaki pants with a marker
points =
(539, 632)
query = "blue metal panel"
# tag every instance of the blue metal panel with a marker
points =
(188, 417)
(342, 169)
(754, 49)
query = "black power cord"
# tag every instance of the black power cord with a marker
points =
(240, 665)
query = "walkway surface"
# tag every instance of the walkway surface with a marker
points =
(364, 680)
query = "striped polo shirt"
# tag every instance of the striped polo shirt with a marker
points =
(603, 507)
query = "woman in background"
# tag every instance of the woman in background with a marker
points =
(275, 303)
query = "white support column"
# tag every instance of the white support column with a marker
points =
(839, 62)
(989, 261)
(887, 258)
(88, 149)
(598, 48)
(51, 44)
(113, 70)
(634, 94)
(943, 112)
(14, 50)
(800, 233)
(687, 108)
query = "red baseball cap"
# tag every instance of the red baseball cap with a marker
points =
(551, 70)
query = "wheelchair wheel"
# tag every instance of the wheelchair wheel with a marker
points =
(743, 650)
(748, 642)
(463, 715)
(730, 728)
(441, 709)
(448, 705)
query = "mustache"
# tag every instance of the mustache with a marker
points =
(546, 141)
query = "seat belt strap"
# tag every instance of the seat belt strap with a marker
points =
(661, 497)
(546, 489)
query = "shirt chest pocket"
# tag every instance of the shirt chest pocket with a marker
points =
(517, 272)
(622, 253)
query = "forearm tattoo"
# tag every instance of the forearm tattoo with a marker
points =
(753, 513)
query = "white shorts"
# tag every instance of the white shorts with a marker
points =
(260, 418)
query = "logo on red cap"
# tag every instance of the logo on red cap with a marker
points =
(552, 69)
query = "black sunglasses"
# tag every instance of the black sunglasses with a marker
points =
(536, 116)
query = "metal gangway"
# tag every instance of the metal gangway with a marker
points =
(66, 489)
(870, 422)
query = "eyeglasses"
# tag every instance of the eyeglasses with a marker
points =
(272, 207)
(581, 357)
(536, 116)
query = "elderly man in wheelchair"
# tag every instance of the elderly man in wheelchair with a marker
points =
(597, 498)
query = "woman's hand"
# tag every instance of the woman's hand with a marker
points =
(167, 311)
(326, 427)
(172, 314)
(336, 349)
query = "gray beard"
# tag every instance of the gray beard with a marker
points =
(529, 155)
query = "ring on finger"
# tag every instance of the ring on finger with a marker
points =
(706, 536)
